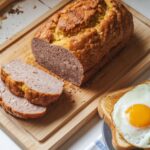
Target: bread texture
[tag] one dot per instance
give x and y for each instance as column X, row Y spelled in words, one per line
column 27, row 81
column 105, row 108
column 17, row 106
column 76, row 39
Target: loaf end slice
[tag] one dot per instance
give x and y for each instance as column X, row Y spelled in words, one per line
column 17, row 106
column 31, row 83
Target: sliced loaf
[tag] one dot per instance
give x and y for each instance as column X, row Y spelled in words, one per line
column 17, row 106
column 32, row 83
column 75, row 41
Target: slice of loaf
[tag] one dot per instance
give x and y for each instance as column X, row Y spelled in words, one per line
column 17, row 106
column 105, row 109
column 32, row 83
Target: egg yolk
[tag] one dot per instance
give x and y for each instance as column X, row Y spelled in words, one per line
column 139, row 115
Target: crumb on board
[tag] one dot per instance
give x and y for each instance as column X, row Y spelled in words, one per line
column 34, row 7
column 15, row 11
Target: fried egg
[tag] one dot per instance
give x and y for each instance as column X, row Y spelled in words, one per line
column 131, row 116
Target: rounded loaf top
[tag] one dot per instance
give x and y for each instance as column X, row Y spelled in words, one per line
column 85, row 27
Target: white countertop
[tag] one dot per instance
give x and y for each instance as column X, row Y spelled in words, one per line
column 92, row 130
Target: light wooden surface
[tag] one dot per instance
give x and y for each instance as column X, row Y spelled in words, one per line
column 65, row 117
column 27, row 142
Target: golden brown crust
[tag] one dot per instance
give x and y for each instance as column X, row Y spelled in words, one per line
column 89, row 29
column 22, row 90
column 106, row 59
column 17, row 114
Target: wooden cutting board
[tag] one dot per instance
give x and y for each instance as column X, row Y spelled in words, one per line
column 77, row 105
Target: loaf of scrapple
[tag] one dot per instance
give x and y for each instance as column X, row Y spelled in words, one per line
column 79, row 39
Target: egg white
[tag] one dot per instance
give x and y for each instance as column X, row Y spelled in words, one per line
column 139, row 137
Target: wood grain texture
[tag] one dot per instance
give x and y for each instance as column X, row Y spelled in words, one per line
column 5, row 3
column 77, row 105
column 31, row 26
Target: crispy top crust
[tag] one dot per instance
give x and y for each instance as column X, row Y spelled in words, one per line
column 86, row 27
